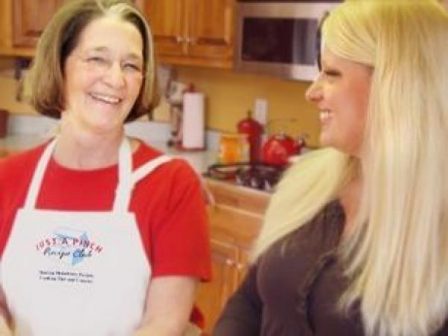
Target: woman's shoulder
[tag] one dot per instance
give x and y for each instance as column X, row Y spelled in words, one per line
column 322, row 233
column 330, row 218
column 176, row 168
column 16, row 172
column 21, row 163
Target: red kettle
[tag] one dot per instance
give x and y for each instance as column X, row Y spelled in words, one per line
column 279, row 147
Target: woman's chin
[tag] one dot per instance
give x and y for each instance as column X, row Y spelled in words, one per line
column 325, row 140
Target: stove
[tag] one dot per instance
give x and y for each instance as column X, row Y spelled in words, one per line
column 253, row 175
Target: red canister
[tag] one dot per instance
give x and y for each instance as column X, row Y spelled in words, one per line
column 254, row 130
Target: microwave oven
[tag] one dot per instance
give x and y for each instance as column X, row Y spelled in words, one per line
column 279, row 38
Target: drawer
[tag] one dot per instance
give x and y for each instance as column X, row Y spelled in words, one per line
column 242, row 198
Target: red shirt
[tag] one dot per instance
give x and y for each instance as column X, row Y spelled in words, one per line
column 168, row 205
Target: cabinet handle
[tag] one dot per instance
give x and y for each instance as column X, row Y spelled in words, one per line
column 240, row 266
column 191, row 40
column 230, row 262
column 180, row 39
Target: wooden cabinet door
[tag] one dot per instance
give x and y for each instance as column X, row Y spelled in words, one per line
column 193, row 32
column 243, row 265
column 167, row 20
column 212, row 296
column 235, row 222
column 30, row 18
column 210, row 29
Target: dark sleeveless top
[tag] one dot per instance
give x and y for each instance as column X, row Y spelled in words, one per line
column 295, row 287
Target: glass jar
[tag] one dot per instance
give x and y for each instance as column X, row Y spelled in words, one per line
column 233, row 148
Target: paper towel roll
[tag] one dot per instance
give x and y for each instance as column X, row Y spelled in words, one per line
column 193, row 122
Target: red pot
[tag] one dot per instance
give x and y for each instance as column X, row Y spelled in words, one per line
column 279, row 147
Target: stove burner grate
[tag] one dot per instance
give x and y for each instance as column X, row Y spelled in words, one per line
column 257, row 175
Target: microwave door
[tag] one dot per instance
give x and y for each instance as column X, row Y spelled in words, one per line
column 279, row 38
column 285, row 47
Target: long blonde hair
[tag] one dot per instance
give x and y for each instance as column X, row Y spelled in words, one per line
column 397, row 257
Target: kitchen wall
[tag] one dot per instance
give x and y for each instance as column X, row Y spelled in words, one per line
column 229, row 96
column 8, row 89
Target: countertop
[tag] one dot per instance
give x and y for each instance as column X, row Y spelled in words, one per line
column 199, row 160
column 26, row 131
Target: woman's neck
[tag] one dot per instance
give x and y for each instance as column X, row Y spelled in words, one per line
column 350, row 201
column 85, row 150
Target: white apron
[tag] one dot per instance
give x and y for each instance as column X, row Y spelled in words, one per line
column 77, row 272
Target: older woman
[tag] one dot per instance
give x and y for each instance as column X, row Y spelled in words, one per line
column 355, row 238
column 100, row 234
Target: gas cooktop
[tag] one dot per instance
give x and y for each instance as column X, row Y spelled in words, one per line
column 253, row 175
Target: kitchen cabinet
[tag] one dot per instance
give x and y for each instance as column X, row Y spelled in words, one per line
column 7, row 47
column 30, row 18
column 235, row 221
column 22, row 22
column 193, row 32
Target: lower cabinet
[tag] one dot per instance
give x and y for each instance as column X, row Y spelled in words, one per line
column 235, row 221
column 213, row 295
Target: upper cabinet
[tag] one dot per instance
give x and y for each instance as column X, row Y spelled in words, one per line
column 7, row 31
column 29, row 20
column 186, row 32
column 22, row 22
column 193, row 32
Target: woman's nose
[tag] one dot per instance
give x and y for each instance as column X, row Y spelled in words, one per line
column 115, row 76
column 314, row 92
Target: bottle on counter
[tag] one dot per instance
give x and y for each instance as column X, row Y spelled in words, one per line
column 254, row 131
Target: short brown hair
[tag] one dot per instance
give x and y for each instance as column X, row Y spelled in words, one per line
column 45, row 81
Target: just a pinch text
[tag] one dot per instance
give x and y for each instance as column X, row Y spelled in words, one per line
column 68, row 242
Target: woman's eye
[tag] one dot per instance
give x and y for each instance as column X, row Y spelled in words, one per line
column 96, row 60
column 331, row 73
column 132, row 67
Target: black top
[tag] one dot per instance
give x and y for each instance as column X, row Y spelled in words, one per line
column 295, row 287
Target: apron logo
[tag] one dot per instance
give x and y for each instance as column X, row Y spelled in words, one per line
column 68, row 246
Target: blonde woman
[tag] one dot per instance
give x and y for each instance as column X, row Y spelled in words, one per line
column 355, row 240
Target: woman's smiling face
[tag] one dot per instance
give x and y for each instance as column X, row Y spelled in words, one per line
column 341, row 92
column 103, row 75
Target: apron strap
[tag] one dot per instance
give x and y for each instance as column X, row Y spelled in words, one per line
column 124, row 173
column 126, row 178
column 124, row 187
column 31, row 198
column 123, row 197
